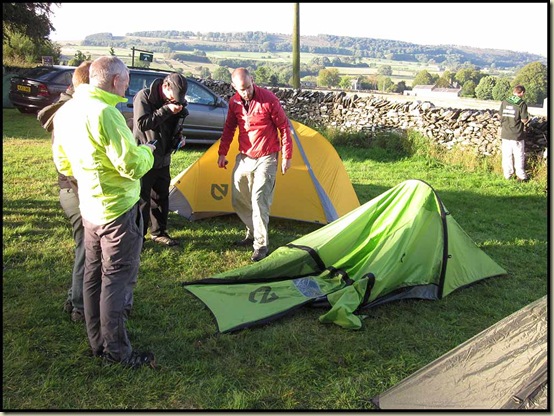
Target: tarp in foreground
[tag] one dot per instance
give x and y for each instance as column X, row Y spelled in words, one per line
column 503, row 367
column 401, row 244
column 316, row 188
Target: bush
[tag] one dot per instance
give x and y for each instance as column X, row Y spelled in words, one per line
column 25, row 53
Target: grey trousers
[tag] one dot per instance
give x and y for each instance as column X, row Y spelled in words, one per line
column 70, row 205
column 252, row 194
column 111, row 269
column 513, row 158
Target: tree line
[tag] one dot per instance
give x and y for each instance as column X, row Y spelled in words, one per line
column 356, row 47
column 473, row 82
column 477, row 84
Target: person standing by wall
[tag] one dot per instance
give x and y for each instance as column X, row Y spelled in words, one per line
column 69, row 199
column 93, row 143
column 513, row 117
column 260, row 118
column 158, row 113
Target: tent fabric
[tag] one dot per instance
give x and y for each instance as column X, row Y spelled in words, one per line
column 502, row 367
column 401, row 244
column 315, row 189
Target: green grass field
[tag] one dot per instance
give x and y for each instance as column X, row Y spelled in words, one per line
column 294, row 363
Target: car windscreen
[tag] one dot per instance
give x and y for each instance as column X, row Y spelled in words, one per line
column 63, row 78
column 41, row 72
column 198, row 95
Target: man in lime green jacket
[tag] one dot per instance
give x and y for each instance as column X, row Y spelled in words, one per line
column 93, row 143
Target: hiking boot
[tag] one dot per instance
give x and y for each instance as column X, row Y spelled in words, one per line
column 165, row 240
column 248, row 241
column 97, row 354
column 522, row 179
column 77, row 315
column 68, row 306
column 259, row 253
column 135, row 360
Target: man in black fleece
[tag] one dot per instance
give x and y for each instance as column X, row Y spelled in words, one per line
column 158, row 112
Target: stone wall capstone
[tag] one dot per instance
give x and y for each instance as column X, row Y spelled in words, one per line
column 471, row 129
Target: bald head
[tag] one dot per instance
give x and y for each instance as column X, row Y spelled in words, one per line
column 240, row 74
column 243, row 83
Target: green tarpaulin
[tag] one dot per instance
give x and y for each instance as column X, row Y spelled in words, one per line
column 401, row 244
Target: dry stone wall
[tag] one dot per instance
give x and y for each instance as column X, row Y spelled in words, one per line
column 471, row 129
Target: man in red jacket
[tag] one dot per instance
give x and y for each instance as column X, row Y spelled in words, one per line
column 263, row 131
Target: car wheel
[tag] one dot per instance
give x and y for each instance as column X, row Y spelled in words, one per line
column 27, row 110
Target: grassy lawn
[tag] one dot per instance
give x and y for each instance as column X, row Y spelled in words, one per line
column 291, row 364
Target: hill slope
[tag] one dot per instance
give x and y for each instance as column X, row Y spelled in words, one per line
column 447, row 55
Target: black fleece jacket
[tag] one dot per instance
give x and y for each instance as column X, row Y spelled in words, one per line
column 152, row 120
column 46, row 120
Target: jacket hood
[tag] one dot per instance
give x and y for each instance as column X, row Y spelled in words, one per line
column 514, row 99
column 155, row 96
column 92, row 91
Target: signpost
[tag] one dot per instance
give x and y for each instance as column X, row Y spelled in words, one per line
column 147, row 57
column 144, row 56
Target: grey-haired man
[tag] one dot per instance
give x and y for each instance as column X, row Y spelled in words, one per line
column 93, row 143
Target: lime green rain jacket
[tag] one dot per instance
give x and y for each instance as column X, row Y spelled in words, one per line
column 93, row 143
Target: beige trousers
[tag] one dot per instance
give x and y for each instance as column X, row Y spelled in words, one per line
column 252, row 194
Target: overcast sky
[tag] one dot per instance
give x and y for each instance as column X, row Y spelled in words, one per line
column 521, row 27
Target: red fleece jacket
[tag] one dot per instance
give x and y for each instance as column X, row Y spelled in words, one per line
column 259, row 127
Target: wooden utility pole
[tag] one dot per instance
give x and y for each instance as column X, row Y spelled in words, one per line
column 296, row 47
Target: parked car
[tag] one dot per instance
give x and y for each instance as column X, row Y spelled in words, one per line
column 41, row 86
column 38, row 87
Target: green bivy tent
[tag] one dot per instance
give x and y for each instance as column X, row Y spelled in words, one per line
column 503, row 367
column 401, row 244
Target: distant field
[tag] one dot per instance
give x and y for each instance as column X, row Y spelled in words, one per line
column 161, row 60
column 401, row 70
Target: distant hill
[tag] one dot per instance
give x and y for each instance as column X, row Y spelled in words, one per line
column 444, row 55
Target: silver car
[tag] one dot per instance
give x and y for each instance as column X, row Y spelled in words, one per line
column 207, row 110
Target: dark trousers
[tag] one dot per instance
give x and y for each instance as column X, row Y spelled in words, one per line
column 70, row 204
column 154, row 200
column 111, row 269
